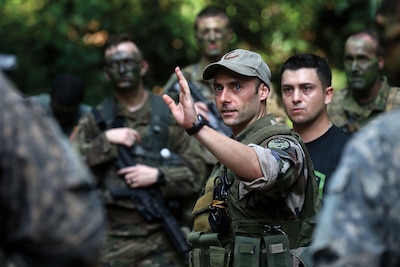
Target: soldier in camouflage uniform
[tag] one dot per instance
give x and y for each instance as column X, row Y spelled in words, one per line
column 369, row 93
column 261, row 197
column 213, row 34
column 132, row 240
column 50, row 215
column 359, row 224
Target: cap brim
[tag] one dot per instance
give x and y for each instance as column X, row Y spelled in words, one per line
column 210, row 70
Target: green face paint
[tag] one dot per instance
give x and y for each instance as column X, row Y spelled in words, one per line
column 122, row 65
column 213, row 37
column 361, row 63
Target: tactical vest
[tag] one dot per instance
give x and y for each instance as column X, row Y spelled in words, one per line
column 156, row 139
column 254, row 242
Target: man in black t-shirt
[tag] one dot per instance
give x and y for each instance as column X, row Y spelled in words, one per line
column 306, row 91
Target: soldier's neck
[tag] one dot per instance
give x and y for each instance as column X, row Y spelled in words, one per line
column 133, row 100
column 366, row 97
column 311, row 131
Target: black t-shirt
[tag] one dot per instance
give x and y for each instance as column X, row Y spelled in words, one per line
column 325, row 153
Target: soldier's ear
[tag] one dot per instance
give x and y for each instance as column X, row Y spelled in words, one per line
column 381, row 62
column 264, row 91
column 328, row 94
column 144, row 67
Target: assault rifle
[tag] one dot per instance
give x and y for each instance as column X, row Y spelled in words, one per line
column 151, row 205
column 214, row 118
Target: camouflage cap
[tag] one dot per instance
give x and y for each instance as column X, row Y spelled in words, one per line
column 243, row 62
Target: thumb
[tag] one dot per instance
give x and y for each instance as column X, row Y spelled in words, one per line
column 168, row 101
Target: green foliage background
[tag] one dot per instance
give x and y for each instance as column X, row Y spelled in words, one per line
column 56, row 36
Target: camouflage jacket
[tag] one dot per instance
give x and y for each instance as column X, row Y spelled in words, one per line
column 360, row 220
column 286, row 195
column 182, row 181
column 347, row 114
column 50, row 215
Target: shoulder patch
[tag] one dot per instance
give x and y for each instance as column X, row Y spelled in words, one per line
column 278, row 143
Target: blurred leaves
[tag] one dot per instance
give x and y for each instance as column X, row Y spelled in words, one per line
column 50, row 37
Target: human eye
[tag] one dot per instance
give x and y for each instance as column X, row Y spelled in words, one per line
column 307, row 88
column 237, row 87
column 348, row 59
column 287, row 91
column 113, row 65
column 218, row 88
column 363, row 59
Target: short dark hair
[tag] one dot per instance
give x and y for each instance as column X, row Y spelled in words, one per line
column 117, row 39
column 67, row 90
column 211, row 11
column 299, row 61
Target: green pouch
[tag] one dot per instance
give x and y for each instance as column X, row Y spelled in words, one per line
column 246, row 252
column 277, row 250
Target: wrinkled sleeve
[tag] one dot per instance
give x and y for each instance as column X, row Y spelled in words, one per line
column 280, row 168
column 92, row 143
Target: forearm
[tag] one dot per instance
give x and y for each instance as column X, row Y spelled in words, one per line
column 236, row 156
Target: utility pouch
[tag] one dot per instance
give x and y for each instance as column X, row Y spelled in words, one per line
column 271, row 249
column 277, row 250
column 207, row 251
column 246, row 252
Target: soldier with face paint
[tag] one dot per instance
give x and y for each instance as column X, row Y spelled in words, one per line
column 213, row 34
column 164, row 158
column 368, row 93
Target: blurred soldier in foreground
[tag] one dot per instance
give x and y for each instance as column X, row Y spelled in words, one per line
column 360, row 221
column 359, row 224
column 49, row 214
column 64, row 102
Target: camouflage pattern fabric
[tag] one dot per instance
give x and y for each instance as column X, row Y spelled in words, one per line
column 280, row 195
column 286, row 195
column 128, row 231
column 50, row 216
column 360, row 220
column 347, row 114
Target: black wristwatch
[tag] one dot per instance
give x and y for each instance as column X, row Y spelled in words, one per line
column 201, row 121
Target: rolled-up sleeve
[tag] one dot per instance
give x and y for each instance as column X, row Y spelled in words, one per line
column 281, row 167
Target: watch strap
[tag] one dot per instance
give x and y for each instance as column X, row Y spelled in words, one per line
column 201, row 121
